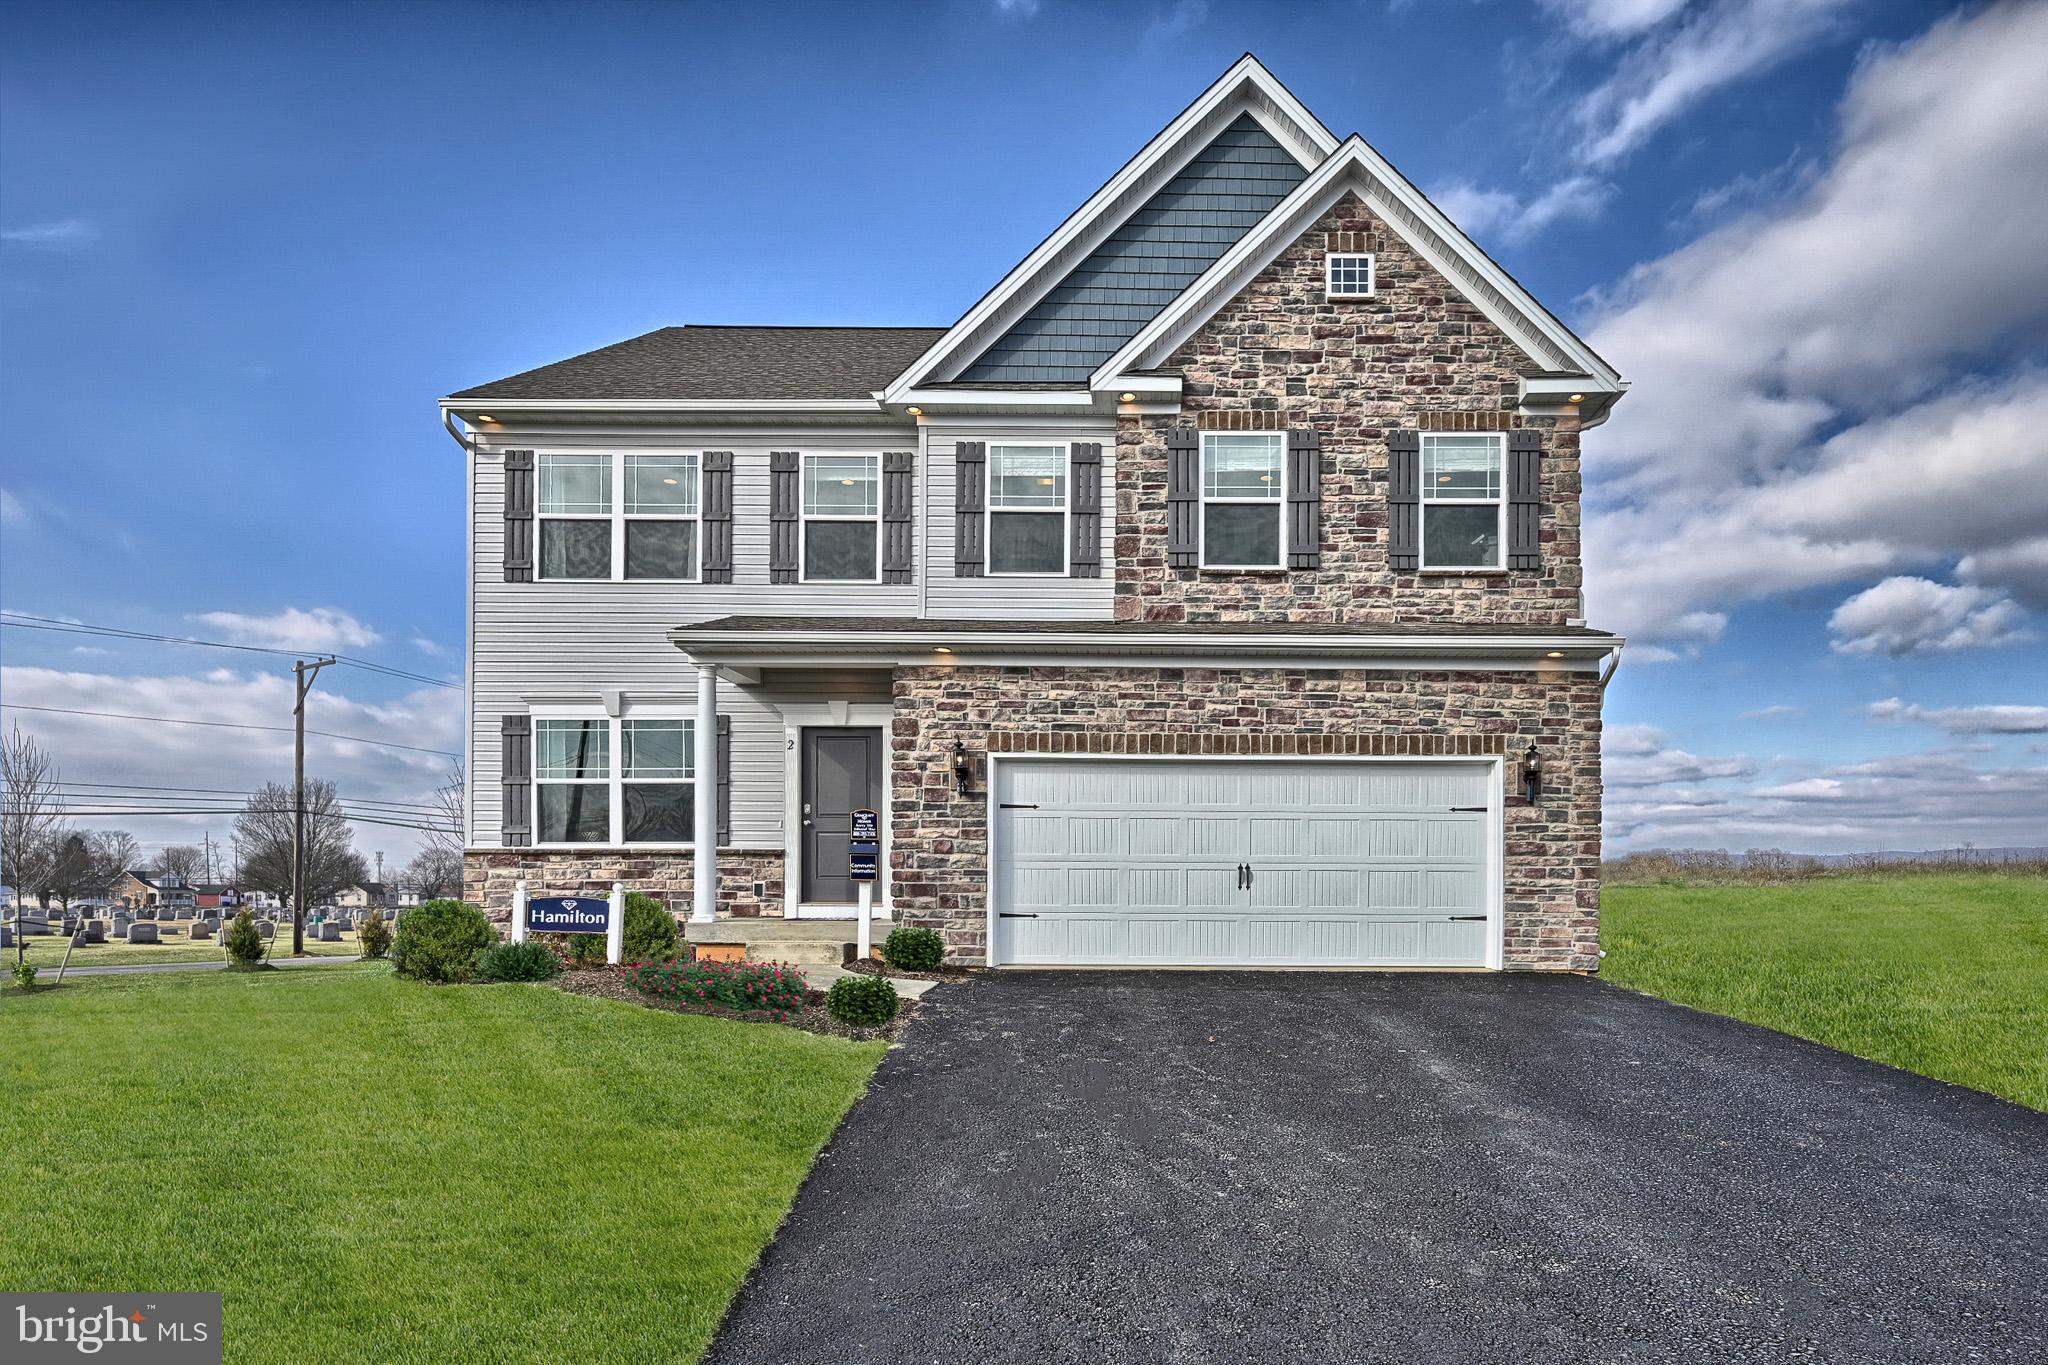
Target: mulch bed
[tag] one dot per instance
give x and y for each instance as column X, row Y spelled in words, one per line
column 607, row 983
column 873, row 968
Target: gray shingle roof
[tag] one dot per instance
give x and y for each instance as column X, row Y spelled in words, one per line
column 726, row 362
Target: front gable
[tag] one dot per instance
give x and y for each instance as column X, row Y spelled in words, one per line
column 1221, row 194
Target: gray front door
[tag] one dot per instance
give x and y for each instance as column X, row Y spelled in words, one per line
column 842, row 774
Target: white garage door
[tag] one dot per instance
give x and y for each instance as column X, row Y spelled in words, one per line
column 1258, row 863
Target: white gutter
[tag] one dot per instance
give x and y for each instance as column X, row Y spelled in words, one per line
column 960, row 644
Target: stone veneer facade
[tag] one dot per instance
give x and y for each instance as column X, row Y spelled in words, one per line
column 1416, row 355
column 939, row 848
column 749, row 879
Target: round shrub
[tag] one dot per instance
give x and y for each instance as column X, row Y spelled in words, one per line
column 650, row 936
column 243, row 942
column 911, row 949
column 374, row 935
column 518, row 962
column 440, row 940
column 862, row 1001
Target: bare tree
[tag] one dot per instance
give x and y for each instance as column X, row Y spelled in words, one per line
column 114, row 854
column 186, row 862
column 446, row 825
column 32, row 831
column 263, row 831
column 435, row 872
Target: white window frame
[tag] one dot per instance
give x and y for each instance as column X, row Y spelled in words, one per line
column 615, row 765
column 805, row 516
column 1279, row 505
column 1372, row 275
column 618, row 516
column 1499, row 503
column 989, row 510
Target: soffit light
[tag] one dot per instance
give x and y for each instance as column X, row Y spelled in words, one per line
column 485, row 417
column 1555, row 654
column 915, row 412
column 943, row 649
column 1578, row 398
column 1127, row 398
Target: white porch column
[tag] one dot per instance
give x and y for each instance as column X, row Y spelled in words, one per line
column 704, row 905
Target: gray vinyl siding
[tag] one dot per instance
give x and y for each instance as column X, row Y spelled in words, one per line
column 950, row 597
column 564, row 640
column 1123, row 284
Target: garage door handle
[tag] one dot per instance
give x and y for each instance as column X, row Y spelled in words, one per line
column 1014, row 914
column 1469, row 810
column 1455, row 918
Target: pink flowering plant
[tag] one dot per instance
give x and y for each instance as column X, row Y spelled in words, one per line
column 773, row 986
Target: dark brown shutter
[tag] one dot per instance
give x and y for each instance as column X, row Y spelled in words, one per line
column 899, row 551
column 519, row 516
column 724, row 779
column 1404, row 499
column 1183, row 498
column 515, row 775
column 783, row 502
column 1525, row 499
column 970, row 466
column 1304, row 499
column 1084, row 491
column 716, row 515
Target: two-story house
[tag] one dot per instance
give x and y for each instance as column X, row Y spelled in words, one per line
column 1209, row 593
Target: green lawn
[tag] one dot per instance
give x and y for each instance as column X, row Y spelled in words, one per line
column 46, row 951
column 1944, row 974
column 371, row 1169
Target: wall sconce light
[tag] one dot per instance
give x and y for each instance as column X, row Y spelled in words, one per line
column 963, row 770
column 1532, row 773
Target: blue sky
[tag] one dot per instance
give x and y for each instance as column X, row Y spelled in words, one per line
column 244, row 247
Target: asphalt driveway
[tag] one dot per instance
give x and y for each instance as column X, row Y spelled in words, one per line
column 1111, row 1167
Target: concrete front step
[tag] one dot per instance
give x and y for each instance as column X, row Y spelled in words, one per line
column 803, row 942
column 822, row 979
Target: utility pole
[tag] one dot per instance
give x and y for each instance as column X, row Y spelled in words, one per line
column 304, row 673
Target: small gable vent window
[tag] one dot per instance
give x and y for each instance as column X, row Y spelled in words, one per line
column 1350, row 275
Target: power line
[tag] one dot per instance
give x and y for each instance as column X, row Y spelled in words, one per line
column 226, row 725
column 239, row 810
column 22, row 620
column 117, row 790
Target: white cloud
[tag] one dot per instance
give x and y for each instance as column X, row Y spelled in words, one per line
column 427, row 647
column 1017, row 9
column 1966, row 720
column 101, row 749
column 1902, row 616
column 2021, row 568
column 293, row 628
column 1665, row 76
column 1612, row 18
column 1802, row 411
column 65, row 234
column 1637, row 756
column 1772, row 712
column 1513, row 219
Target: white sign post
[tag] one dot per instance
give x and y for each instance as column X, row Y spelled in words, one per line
column 865, row 937
column 519, row 911
column 615, row 927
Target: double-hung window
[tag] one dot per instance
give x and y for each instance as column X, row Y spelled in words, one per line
column 1027, row 509
column 842, row 518
column 1462, row 507
column 1243, row 500
column 622, row 515
column 582, row 797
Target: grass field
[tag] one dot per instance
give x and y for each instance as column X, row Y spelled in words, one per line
column 1944, row 974
column 46, row 951
column 371, row 1169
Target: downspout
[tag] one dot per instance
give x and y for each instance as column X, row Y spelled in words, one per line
column 448, row 421
column 1613, row 667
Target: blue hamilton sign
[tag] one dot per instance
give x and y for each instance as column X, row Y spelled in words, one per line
column 568, row 914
